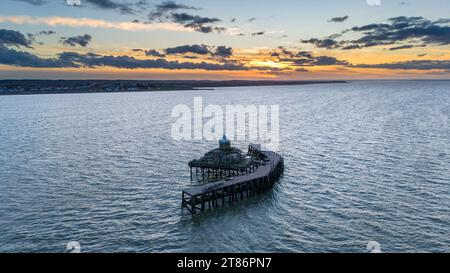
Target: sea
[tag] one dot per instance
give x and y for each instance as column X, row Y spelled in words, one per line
column 366, row 163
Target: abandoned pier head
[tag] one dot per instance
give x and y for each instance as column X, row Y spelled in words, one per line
column 227, row 175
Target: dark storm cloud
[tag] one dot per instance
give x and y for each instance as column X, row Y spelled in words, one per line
column 416, row 31
column 411, row 65
column 339, row 19
column 82, row 40
column 14, row 38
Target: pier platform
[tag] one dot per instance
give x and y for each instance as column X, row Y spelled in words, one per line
column 268, row 170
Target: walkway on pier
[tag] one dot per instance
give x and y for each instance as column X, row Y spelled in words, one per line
column 197, row 197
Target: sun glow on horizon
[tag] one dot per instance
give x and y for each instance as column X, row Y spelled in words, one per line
column 201, row 41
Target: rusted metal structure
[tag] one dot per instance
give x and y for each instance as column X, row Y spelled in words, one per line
column 233, row 176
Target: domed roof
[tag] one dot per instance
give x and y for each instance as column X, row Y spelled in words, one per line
column 224, row 143
column 224, row 140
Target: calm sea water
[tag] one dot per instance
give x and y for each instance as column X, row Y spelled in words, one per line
column 365, row 161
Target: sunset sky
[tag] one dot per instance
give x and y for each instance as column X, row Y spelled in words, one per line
column 225, row 39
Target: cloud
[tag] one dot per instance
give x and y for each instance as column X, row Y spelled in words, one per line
column 305, row 54
column 171, row 5
column 76, row 60
column 259, row 33
column 184, row 18
column 411, row 65
column 164, row 8
column 112, row 5
column 95, row 60
column 219, row 51
column 174, row 22
column 168, row 12
column 33, row 2
column 327, row 60
column 301, row 69
column 46, row 32
column 196, row 49
column 325, row 43
column 286, row 51
column 82, row 40
column 10, row 56
column 154, row 53
column 126, row 8
column 315, row 61
column 401, row 47
column 416, row 31
column 223, row 51
column 339, row 19
column 13, row 38
column 25, row 59
column 76, row 3
column 93, row 23
column 305, row 58
column 195, row 22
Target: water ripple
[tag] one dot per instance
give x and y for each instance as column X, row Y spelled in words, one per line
column 364, row 161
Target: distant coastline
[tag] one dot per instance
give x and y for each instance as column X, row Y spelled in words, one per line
column 34, row 87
